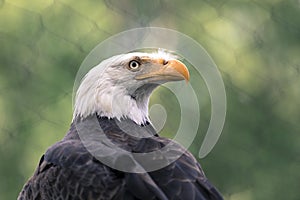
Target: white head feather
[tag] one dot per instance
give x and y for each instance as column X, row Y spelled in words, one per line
column 105, row 90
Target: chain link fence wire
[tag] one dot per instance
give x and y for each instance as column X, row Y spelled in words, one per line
column 256, row 45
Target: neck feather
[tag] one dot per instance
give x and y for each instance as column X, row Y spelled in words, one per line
column 111, row 101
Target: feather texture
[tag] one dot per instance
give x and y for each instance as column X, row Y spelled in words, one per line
column 69, row 171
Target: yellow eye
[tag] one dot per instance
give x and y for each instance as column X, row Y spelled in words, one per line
column 134, row 65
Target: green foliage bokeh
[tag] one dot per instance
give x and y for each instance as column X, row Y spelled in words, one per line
column 255, row 44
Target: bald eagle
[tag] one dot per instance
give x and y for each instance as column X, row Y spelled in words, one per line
column 116, row 93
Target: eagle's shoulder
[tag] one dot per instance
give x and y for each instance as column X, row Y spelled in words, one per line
column 184, row 177
column 68, row 171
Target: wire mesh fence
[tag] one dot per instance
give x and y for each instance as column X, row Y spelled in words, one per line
column 256, row 45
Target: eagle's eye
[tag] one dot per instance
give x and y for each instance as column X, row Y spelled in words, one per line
column 134, row 65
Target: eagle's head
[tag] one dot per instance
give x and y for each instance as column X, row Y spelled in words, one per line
column 120, row 86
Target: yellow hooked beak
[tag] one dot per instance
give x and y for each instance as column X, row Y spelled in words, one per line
column 172, row 70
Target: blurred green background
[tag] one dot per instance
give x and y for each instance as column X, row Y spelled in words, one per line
column 255, row 44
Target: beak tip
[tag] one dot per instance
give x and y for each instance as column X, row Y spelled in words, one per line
column 181, row 69
column 187, row 77
column 187, row 80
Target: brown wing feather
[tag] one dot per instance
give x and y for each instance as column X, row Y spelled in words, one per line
column 69, row 171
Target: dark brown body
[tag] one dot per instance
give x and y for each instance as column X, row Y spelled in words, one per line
column 68, row 171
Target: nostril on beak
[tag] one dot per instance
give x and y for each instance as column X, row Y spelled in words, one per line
column 165, row 62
